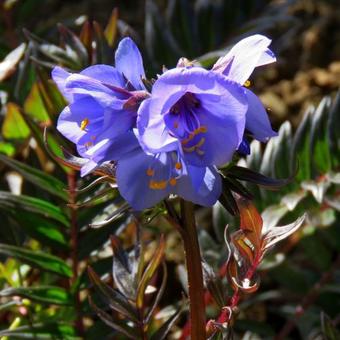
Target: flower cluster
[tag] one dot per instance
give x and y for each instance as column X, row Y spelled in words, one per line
column 172, row 140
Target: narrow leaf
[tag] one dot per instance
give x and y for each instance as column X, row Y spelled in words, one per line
column 11, row 202
column 47, row 182
column 149, row 272
column 46, row 294
column 118, row 325
column 163, row 331
column 48, row 331
column 113, row 298
column 37, row 259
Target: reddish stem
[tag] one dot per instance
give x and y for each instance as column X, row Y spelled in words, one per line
column 72, row 198
column 194, row 270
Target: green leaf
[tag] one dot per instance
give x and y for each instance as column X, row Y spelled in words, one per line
column 45, row 294
column 281, row 152
column 14, row 126
column 34, row 106
column 43, row 230
column 37, row 259
column 300, row 152
column 15, row 203
column 149, row 272
column 328, row 329
column 7, row 149
column 333, row 128
column 47, row 182
column 48, row 331
column 319, row 148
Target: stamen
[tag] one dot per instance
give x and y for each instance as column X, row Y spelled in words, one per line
column 176, row 125
column 88, row 144
column 157, row 185
column 173, row 181
column 178, row 166
column 150, row 172
column 247, row 83
column 84, row 123
column 201, row 129
column 196, row 147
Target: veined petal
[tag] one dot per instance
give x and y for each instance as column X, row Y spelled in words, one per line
column 133, row 181
column 59, row 76
column 112, row 149
column 209, row 190
column 130, row 63
column 257, row 121
column 80, row 118
column 239, row 63
column 222, row 122
column 153, row 135
column 80, row 86
column 105, row 74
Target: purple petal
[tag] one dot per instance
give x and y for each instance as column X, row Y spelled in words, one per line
column 222, row 110
column 207, row 193
column 59, row 76
column 105, row 74
column 133, row 181
column 153, row 135
column 257, row 121
column 112, row 149
column 130, row 63
column 80, row 86
column 70, row 119
column 239, row 63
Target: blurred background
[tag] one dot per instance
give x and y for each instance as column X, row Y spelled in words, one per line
column 33, row 213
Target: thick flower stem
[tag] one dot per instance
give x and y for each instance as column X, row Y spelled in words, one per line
column 194, row 270
column 71, row 179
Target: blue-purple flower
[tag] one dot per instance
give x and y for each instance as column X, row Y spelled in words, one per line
column 237, row 65
column 103, row 103
column 197, row 113
column 145, row 179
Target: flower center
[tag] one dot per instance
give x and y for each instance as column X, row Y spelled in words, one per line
column 185, row 124
column 84, row 123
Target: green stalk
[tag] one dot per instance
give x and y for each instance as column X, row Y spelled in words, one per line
column 194, row 270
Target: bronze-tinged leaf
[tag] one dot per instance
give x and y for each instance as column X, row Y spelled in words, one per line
column 250, row 222
column 243, row 245
column 111, row 28
column 86, row 35
column 277, row 234
column 113, row 298
column 232, row 273
column 149, row 272
column 247, row 286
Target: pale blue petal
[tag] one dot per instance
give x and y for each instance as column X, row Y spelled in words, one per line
column 257, row 121
column 59, row 76
column 239, row 63
column 130, row 63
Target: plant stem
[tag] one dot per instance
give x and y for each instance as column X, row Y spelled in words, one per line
column 194, row 270
column 72, row 185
